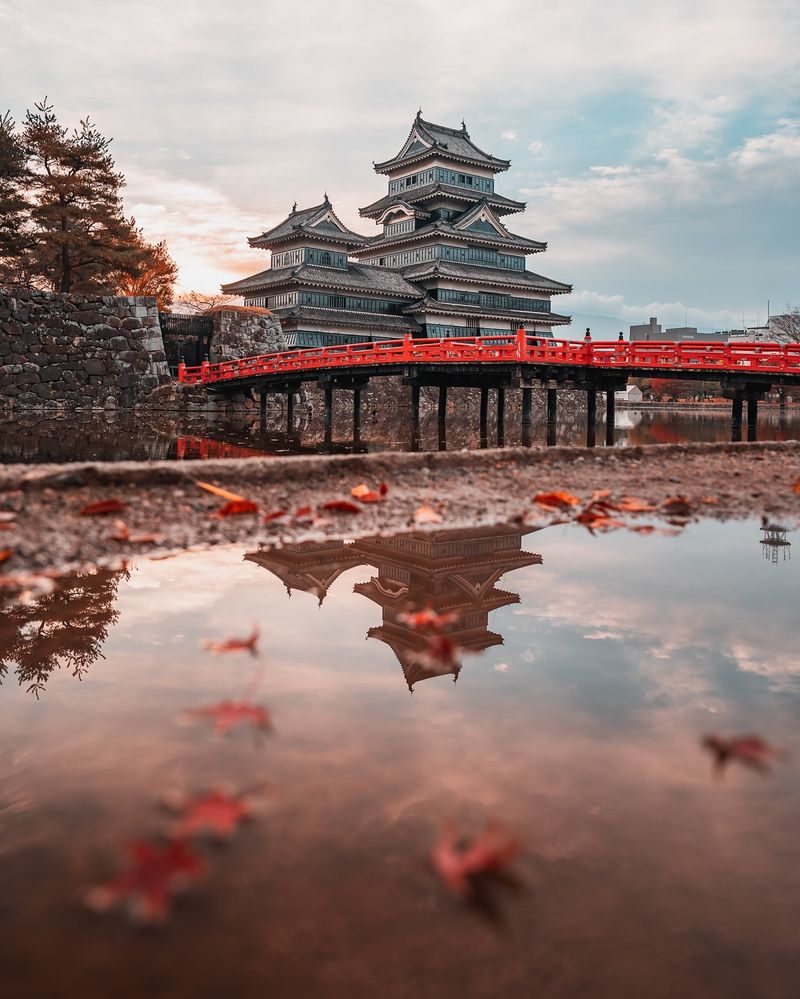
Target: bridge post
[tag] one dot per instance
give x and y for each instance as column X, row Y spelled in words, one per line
column 356, row 415
column 527, row 407
column 328, row 412
column 736, row 418
column 610, row 413
column 591, row 417
column 552, row 414
column 484, row 418
column 289, row 411
column 414, row 417
column 442, row 418
column 501, row 416
column 752, row 419
column 262, row 399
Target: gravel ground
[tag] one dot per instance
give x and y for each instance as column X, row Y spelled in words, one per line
column 43, row 529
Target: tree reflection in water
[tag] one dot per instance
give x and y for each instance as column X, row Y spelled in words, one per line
column 65, row 629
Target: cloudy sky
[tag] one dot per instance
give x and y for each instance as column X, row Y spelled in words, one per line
column 658, row 149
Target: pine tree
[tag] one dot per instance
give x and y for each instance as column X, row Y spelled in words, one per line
column 15, row 235
column 83, row 241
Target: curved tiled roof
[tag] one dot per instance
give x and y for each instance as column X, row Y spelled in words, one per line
column 337, row 317
column 475, row 274
column 446, row 142
column 357, row 277
column 500, row 204
column 440, row 228
column 431, row 306
column 302, row 223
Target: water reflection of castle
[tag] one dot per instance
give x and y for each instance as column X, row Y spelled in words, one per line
column 452, row 572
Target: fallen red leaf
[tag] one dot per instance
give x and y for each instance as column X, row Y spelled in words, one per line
column 249, row 644
column 364, row 494
column 234, row 508
column 384, row 489
column 341, row 506
column 631, row 504
column 228, row 715
column 556, row 500
column 750, row 750
column 103, row 507
column 459, row 863
column 425, row 514
column 275, row 515
column 677, row 506
column 6, row 554
column 215, row 812
column 796, row 487
column 426, row 620
column 156, row 872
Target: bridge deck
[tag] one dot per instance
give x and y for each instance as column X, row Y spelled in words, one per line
column 521, row 354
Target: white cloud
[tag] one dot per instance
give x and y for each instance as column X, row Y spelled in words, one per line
column 509, row 136
column 539, row 148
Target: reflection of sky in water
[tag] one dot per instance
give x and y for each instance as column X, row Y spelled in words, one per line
column 580, row 730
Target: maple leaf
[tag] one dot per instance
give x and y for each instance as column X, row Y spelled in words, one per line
column 275, row 515
column 6, row 554
column 103, row 507
column 749, row 750
column 227, row 715
column 156, row 872
column 364, row 494
column 440, row 655
column 426, row 619
column 234, row 508
column 215, row 812
column 796, row 487
column 556, row 500
column 249, row 644
column 341, row 506
column 631, row 504
column 425, row 514
column 460, row 863
column 677, row 506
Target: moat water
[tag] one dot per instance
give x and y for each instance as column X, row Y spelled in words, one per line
column 151, row 437
column 591, row 668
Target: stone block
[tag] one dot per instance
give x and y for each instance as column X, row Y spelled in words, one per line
column 131, row 324
column 51, row 373
column 93, row 366
column 87, row 317
column 128, row 380
column 114, row 322
column 26, row 378
column 118, row 343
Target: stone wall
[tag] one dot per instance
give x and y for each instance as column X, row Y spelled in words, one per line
column 78, row 351
column 240, row 331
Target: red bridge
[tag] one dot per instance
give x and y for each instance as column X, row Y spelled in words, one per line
column 746, row 371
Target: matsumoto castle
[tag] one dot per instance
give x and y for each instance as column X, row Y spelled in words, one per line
column 443, row 265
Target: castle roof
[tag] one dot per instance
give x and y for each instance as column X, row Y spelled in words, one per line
column 399, row 325
column 502, row 205
column 319, row 222
column 357, row 277
column 427, row 139
column 430, row 306
column 498, row 238
column 492, row 276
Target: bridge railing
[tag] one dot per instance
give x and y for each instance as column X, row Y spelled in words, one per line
column 520, row 347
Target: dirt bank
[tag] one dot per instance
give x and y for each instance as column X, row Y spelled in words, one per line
column 43, row 529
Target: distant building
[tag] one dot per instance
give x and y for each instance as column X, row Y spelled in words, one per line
column 652, row 332
column 646, row 331
column 631, row 393
column 443, row 265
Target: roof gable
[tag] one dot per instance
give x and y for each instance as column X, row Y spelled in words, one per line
column 318, row 220
column 427, row 137
column 481, row 218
